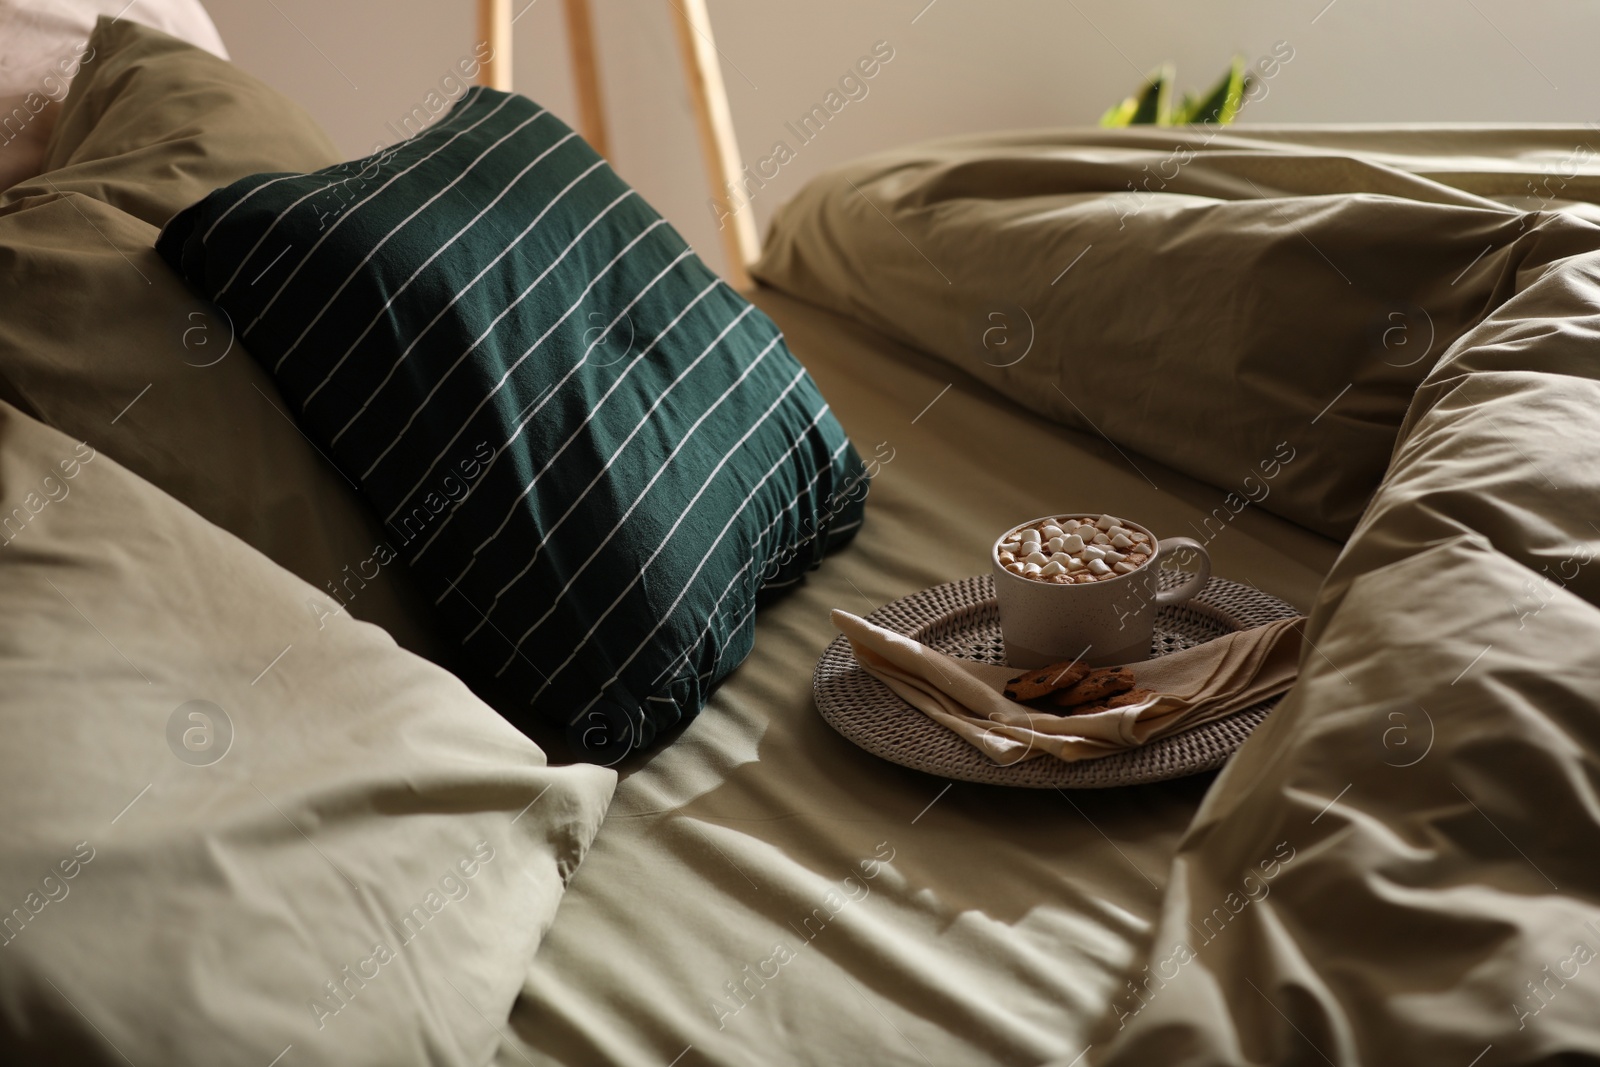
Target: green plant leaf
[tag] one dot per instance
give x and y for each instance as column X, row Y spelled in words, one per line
column 1221, row 105
column 1150, row 106
column 1120, row 114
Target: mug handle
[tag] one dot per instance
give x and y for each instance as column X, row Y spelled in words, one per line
column 1188, row 589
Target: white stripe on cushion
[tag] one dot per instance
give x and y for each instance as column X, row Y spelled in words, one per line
column 799, row 375
column 642, row 423
column 220, row 293
column 704, row 559
column 515, row 364
column 377, row 316
column 347, row 213
column 287, row 352
column 522, row 423
column 465, row 289
column 792, row 506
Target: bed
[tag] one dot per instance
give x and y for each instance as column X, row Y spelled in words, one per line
column 1395, row 868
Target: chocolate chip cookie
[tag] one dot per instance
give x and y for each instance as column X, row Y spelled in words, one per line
column 1046, row 680
column 1119, row 700
column 1095, row 686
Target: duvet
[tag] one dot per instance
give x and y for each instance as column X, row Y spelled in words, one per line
column 1398, row 865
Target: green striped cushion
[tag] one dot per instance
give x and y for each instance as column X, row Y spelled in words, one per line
column 593, row 453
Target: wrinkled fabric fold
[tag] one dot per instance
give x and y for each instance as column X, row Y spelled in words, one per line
column 1254, row 309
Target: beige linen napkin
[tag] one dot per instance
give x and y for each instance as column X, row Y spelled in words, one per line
column 1194, row 686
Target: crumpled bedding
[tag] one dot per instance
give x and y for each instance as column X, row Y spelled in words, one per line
column 1434, row 772
column 1397, row 867
column 1215, row 299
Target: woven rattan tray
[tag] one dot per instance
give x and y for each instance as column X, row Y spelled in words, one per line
column 961, row 619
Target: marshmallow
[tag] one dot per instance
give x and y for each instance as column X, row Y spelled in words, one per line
column 1068, row 550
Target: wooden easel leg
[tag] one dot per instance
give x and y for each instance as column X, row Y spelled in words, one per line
column 586, row 75
column 494, row 29
column 708, row 96
column 724, row 169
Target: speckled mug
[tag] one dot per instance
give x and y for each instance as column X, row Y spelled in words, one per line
column 1098, row 623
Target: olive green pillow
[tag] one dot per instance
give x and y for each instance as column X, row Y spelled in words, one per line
column 1252, row 311
column 227, row 828
column 155, row 123
column 98, row 339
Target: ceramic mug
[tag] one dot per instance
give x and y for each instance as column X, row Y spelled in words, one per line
column 1097, row 623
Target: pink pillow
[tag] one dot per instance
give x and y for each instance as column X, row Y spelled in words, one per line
column 43, row 43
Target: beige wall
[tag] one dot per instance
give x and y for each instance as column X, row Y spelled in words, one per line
column 961, row 66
